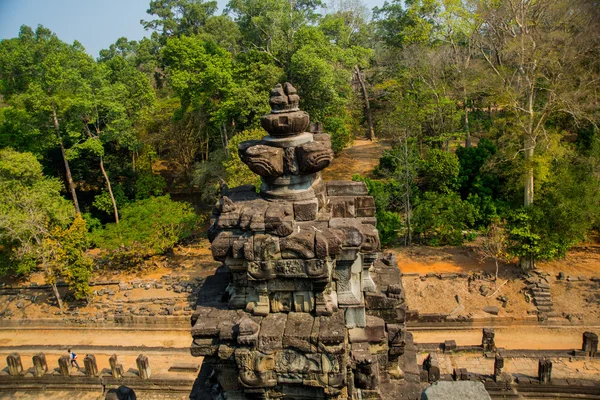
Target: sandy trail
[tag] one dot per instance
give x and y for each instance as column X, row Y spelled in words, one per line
column 95, row 337
column 512, row 338
column 361, row 159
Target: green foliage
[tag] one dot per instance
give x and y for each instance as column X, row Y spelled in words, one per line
column 388, row 224
column 238, row 173
column 147, row 227
column 436, row 72
column 65, row 257
column 31, row 207
column 179, row 17
column 103, row 202
column 92, row 223
column 563, row 216
column 19, row 130
column 441, row 219
column 440, row 171
column 479, row 185
column 207, row 176
column 472, row 179
column 341, row 137
column 523, row 242
column 404, row 24
column 148, row 184
column 199, row 72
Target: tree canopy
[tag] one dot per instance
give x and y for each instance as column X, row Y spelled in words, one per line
column 492, row 109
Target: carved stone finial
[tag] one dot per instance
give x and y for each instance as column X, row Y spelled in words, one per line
column 285, row 118
column 284, row 98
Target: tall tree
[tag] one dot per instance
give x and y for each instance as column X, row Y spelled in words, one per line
column 41, row 75
column 179, row 17
column 32, row 208
column 537, row 51
column 270, row 26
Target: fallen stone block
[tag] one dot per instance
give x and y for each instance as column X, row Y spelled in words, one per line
column 491, row 310
column 449, row 345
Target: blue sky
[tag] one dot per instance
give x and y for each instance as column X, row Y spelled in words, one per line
column 94, row 23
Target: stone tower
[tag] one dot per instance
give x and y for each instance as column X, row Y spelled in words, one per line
column 308, row 309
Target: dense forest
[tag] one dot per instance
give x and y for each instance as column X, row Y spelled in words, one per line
column 491, row 108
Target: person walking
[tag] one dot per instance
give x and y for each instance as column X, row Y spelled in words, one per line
column 73, row 359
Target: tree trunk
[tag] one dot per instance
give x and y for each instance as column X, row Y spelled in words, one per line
column 467, row 129
column 528, row 261
column 407, row 199
column 496, row 278
column 57, row 295
column 528, row 186
column 110, row 192
column 70, row 183
column 361, row 81
column 112, row 197
column 225, row 139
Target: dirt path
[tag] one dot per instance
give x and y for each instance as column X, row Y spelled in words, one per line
column 361, row 159
column 95, row 337
column 512, row 338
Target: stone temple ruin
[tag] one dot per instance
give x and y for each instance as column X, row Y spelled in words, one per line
column 308, row 309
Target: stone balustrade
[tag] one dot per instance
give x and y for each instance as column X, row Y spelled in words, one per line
column 64, row 368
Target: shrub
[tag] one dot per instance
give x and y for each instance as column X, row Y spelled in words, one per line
column 440, row 172
column 102, row 201
column 148, row 184
column 440, row 218
column 389, row 225
column 341, row 137
column 147, row 227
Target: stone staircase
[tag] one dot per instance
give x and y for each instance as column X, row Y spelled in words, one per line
column 539, row 290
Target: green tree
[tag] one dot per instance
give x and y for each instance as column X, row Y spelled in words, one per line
column 179, row 17
column 441, row 219
column 270, row 26
column 32, row 212
column 41, row 75
column 542, row 69
column 65, row 257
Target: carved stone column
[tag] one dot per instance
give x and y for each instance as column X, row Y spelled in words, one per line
column 40, row 366
column 498, row 365
column 115, row 368
column 590, row 343
column 545, row 370
column 91, row 368
column 367, row 282
column 143, row 366
column 14, row 364
column 64, row 364
column 487, row 341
